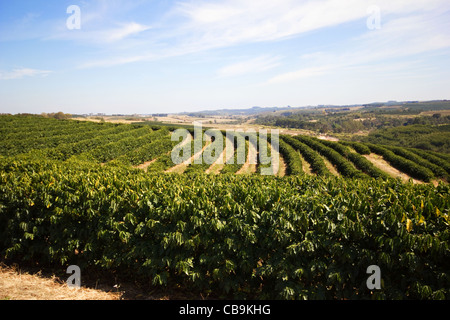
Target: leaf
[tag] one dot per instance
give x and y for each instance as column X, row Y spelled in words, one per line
column 129, row 217
column 157, row 280
column 409, row 225
column 421, row 220
column 28, row 235
column 299, row 272
column 438, row 212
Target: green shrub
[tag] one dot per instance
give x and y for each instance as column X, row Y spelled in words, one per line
column 252, row 237
column 312, row 157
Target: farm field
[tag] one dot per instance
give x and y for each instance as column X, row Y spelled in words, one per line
column 107, row 196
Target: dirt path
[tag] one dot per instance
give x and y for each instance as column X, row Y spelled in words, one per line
column 322, row 137
column 145, row 165
column 180, row 168
column 330, row 167
column 249, row 166
column 278, row 164
column 382, row 164
column 305, row 165
column 282, row 167
column 216, row 167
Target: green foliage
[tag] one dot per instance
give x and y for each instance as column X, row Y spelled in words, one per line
column 357, row 159
column 130, row 145
column 210, row 151
column 425, row 137
column 291, row 157
column 359, row 147
column 161, row 164
column 312, row 157
column 345, row 167
column 44, row 134
column 372, row 117
column 254, row 237
column 437, row 170
column 411, row 168
column 435, row 158
column 236, row 164
column 154, row 148
column 113, row 150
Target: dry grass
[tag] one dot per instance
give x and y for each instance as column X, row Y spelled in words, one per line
column 32, row 284
column 16, row 284
column 441, row 112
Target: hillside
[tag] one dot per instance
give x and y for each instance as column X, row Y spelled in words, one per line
column 424, row 125
column 76, row 192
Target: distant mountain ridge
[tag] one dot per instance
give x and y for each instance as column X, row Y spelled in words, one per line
column 431, row 104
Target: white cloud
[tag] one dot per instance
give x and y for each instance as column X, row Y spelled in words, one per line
column 196, row 26
column 409, row 35
column 231, row 22
column 101, row 36
column 253, row 65
column 23, row 73
column 300, row 74
column 125, row 31
column 239, row 21
column 202, row 25
column 115, row 61
column 399, row 38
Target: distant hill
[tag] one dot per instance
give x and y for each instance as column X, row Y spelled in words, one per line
column 230, row 112
column 413, row 106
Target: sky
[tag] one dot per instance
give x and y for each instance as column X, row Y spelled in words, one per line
column 149, row 56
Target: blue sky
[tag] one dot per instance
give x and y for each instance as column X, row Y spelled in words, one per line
column 147, row 56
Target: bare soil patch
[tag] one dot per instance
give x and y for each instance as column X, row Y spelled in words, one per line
column 330, row 167
column 328, row 138
column 145, row 165
column 277, row 164
column 249, row 166
column 382, row 164
column 281, row 167
column 305, row 165
column 180, row 168
column 216, row 167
